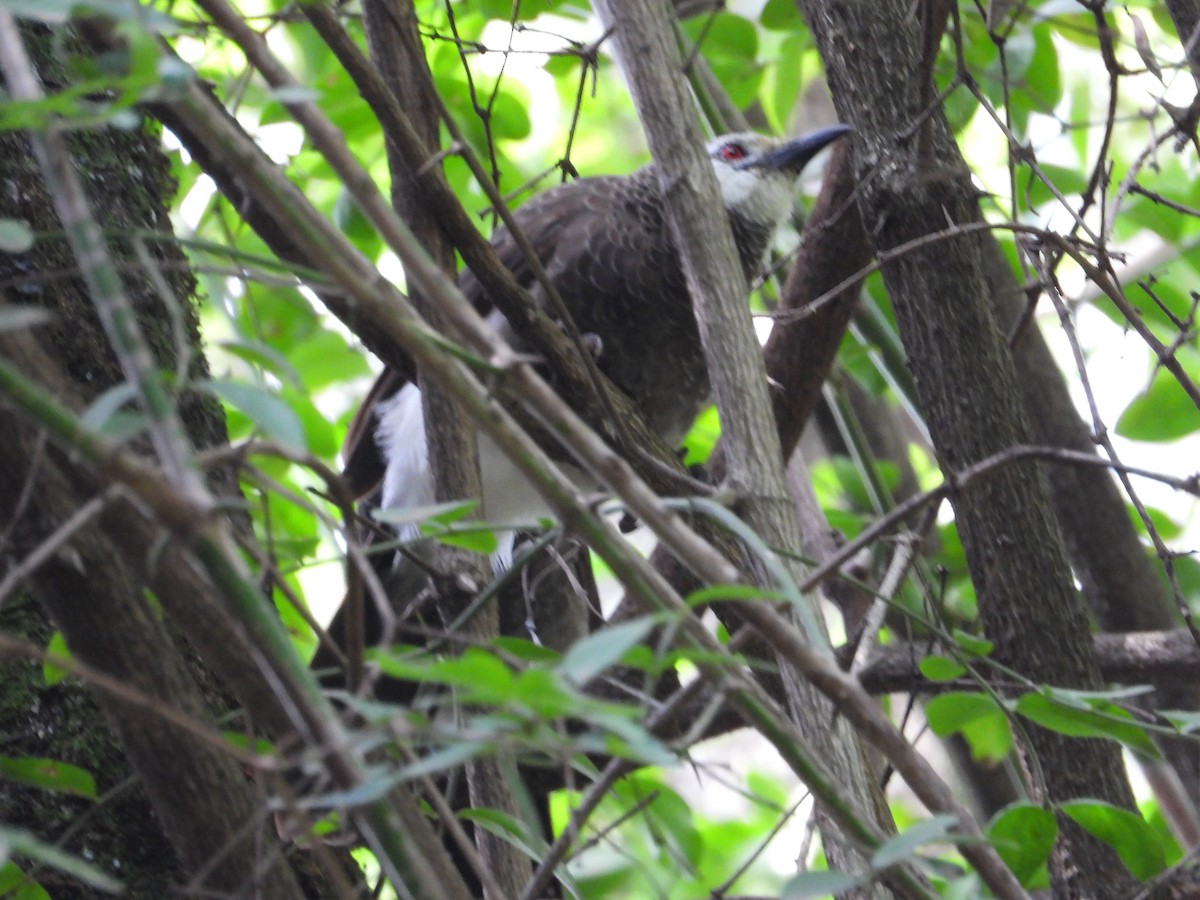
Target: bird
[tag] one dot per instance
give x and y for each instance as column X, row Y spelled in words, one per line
column 606, row 246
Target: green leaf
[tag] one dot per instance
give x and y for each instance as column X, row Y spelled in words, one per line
column 266, row 410
column 503, row 825
column 510, row 115
column 1024, row 835
column 49, row 774
column 10, row 877
column 1186, row 722
column 443, row 513
column 1081, row 698
column 324, row 359
column 484, row 677
column 969, row 643
column 941, row 668
column 629, row 740
column 545, row 694
column 353, row 224
column 1078, row 717
column 21, row 843
column 780, row 15
column 589, row 657
column 786, row 77
column 1126, row 832
column 107, row 415
column 1161, row 303
column 730, row 44
column 715, row 593
column 1163, row 413
column 264, row 356
column 374, row 786
column 904, row 845
column 16, row 885
column 526, row 650
column 1078, row 28
column 242, row 741
column 57, row 646
column 1066, row 180
column 15, row 235
column 319, row 436
column 1167, row 528
column 702, row 438
column 445, row 759
column 1039, row 88
column 858, row 489
column 981, row 721
column 724, row 34
column 478, row 537
column 810, row 885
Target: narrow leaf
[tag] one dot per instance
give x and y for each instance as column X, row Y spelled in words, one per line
column 969, row 643
column 259, row 354
column 106, row 414
column 50, row 774
column 21, row 843
column 1185, row 721
column 478, row 537
column 444, row 759
column 811, row 885
column 724, row 592
column 1076, row 718
column 270, row 414
column 442, row 512
column 595, row 653
column 902, row 846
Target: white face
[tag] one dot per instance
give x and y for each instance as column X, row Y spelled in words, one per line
column 758, row 193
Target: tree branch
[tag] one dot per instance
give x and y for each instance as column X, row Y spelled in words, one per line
column 1162, row 658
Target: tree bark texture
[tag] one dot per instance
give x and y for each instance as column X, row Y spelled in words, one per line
column 1124, row 586
column 753, row 456
column 969, row 395
column 394, row 39
column 93, row 589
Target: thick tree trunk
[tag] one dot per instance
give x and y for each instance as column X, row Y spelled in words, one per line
column 395, row 44
column 968, row 391
column 205, row 818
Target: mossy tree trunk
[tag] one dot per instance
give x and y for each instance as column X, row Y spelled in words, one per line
column 171, row 809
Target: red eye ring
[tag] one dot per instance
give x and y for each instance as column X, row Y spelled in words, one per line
column 732, row 152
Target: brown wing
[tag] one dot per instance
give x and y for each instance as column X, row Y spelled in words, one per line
column 542, row 219
column 607, row 249
column 603, row 243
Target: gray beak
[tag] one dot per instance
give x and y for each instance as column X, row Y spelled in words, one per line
column 795, row 155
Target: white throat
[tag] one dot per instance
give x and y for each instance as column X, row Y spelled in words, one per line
column 756, row 196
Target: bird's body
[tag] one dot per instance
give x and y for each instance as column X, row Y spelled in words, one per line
column 606, row 246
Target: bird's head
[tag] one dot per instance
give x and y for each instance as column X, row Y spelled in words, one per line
column 757, row 174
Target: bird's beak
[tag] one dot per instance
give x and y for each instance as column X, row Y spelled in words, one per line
column 794, row 155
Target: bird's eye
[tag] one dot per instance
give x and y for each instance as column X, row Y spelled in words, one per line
column 732, row 152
